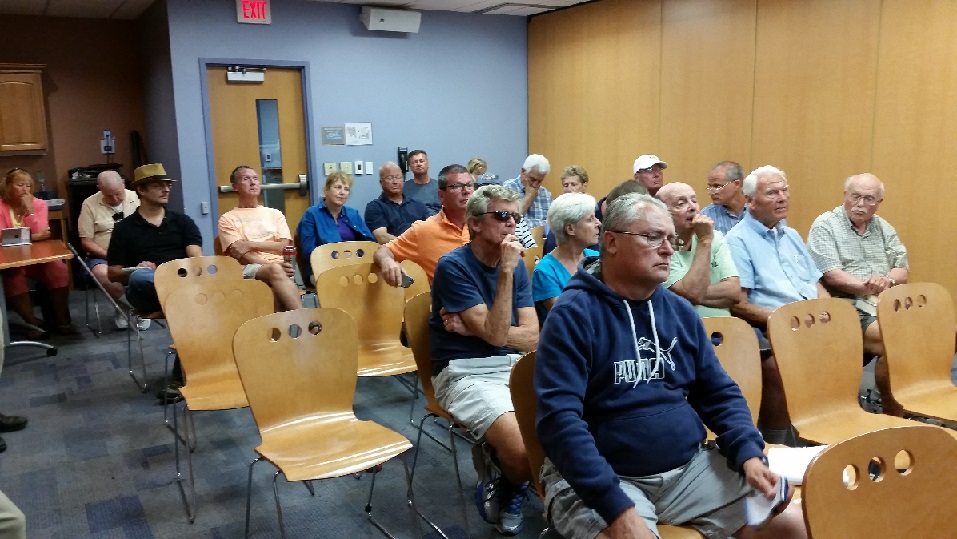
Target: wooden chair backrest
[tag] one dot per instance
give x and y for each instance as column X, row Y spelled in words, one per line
column 174, row 274
column 915, row 498
column 204, row 315
column 521, row 386
column 417, row 312
column 421, row 283
column 819, row 362
column 917, row 327
column 358, row 290
column 297, row 365
column 344, row 253
column 532, row 256
column 737, row 349
column 538, row 234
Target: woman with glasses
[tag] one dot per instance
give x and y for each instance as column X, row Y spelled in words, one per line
column 572, row 219
column 18, row 208
column 331, row 221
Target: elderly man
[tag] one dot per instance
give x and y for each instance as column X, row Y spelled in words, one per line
column 534, row 199
column 392, row 213
column 649, row 171
column 256, row 236
column 860, row 256
column 482, row 320
column 728, row 204
column 702, row 271
column 421, row 187
column 622, row 425
column 775, row 268
column 98, row 215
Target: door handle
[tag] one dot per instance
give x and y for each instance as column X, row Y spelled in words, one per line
column 302, row 185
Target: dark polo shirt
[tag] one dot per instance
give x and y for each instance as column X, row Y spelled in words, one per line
column 135, row 240
column 396, row 218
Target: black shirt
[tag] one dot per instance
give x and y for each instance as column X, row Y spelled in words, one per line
column 396, row 218
column 136, row 240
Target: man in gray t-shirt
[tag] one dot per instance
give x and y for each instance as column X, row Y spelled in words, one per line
column 421, row 187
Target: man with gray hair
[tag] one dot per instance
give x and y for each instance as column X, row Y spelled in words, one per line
column 99, row 213
column 392, row 213
column 728, row 205
column 534, row 199
column 860, row 256
column 623, row 423
column 702, row 271
column 482, row 321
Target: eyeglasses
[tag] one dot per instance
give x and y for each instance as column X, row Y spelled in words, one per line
column 503, row 215
column 118, row 216
column 868, row 200
column 460, row 186
column 717, row 188
column 654, row 240
column 394, row 177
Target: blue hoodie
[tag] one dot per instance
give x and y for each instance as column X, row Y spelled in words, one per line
column 607, row 407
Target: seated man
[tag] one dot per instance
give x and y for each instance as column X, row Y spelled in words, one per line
column 702, row 271
column 622, row 425
column 98, row 215
column 775, row 268
column 482, row 320
column 392, row 213
column 860, row 256
column 650, row 172
column 535, row 199
column 255, row 236
column 728, row 204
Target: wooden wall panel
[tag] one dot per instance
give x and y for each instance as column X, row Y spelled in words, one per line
column 593, row 82
column 915, row 137
column 707, row 76
column 814, row 97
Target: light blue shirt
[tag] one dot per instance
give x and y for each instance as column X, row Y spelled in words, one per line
column 773, row 264
column 550, row 277
column 723, row 220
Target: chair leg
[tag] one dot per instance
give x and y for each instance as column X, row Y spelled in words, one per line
column 142, row 386
column 415, row 398
column 249, row 491
column 188, row 501
column 312, row 491
column 275, row 493
column 458, row 478
column 410, row 495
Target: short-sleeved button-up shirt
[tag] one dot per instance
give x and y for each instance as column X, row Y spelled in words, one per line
column 538, row 211
column 723, row 219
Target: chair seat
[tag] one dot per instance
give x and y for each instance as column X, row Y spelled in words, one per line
column 347, row 446
column 214, row 394
column 385, row 358
column 843, row 425
column 678, row 532
column 936, row 399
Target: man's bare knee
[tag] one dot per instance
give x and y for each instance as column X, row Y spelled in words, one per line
column 270, row 273
column 506, row 438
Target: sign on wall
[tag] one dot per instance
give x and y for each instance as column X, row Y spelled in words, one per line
column 253, row 11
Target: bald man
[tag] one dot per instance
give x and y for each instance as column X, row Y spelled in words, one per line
column 702, row 270
column 98, row 214
column 860, row 256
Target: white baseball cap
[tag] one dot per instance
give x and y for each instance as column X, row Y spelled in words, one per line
column 648, row 161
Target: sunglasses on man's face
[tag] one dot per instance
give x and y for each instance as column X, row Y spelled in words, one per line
column 504, row 215
column 118, row 216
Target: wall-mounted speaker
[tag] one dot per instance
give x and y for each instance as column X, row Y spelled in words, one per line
column 390, row 20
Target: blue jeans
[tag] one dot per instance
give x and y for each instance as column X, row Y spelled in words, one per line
column 141, row 292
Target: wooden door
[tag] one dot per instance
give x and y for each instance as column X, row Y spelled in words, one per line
column 261, row 125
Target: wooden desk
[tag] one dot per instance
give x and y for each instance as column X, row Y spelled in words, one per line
column 25, row 255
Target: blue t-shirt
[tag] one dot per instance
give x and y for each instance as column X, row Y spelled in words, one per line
column 461, row 282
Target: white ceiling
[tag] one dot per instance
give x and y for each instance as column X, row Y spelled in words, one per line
column 130, row 9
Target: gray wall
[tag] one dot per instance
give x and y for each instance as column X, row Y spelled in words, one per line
column 457, row 89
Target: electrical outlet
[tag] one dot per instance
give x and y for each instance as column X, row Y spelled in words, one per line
column 328, row 168
column 346, row 166
column 358, row 168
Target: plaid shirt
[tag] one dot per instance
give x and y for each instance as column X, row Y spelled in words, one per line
column 538, row 211
column 723, row 220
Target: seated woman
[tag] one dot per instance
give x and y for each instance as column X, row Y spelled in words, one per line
column 572, row 218
column 18, row 208
column 330, row 221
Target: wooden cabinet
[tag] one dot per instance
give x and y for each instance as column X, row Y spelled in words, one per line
column 23, row 121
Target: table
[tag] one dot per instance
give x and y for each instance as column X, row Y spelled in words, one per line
column 16, row 256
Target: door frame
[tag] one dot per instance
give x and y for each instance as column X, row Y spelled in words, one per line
column 303, row 67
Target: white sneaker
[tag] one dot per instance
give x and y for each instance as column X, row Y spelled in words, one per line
column 119, row 319
column 143, row 324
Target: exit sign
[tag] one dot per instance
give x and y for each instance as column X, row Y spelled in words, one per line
column 253, row 11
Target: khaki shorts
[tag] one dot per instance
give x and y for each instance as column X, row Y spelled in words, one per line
column 250, row 270
column 704, row 494
column 475, row 391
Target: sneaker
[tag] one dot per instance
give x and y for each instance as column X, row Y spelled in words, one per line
column 487, row 499
column 143, row 324
column 120, row 320
column 510, row 519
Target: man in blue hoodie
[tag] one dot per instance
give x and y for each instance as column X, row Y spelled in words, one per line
column 625, row 376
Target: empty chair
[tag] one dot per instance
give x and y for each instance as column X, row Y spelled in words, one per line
column 343, row 253
column 855, row 489
column 299, row 372
column 737, row 349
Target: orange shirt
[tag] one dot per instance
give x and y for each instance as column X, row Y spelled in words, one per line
column 426, row 241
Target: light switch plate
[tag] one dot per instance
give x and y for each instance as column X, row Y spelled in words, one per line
column 358, row 168
column 346, row 166
column 328, row 168
column 368, row 168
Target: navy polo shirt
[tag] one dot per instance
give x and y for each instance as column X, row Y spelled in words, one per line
column 396, row 218
column 137, row 240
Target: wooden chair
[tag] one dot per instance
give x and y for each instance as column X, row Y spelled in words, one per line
column 421, row 280
column 538, row 234
column 203, row 317
column 417, row 312
column 525, row 403
column 737, row 350
column 820, row 364
column 853, row 489
column 298, row 369
column 344, row 253
column 532, row 256
column 917, row 327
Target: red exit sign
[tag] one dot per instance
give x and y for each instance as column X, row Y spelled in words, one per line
column 253, row 11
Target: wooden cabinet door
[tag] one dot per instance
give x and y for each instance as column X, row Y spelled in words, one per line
column 23, row 125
